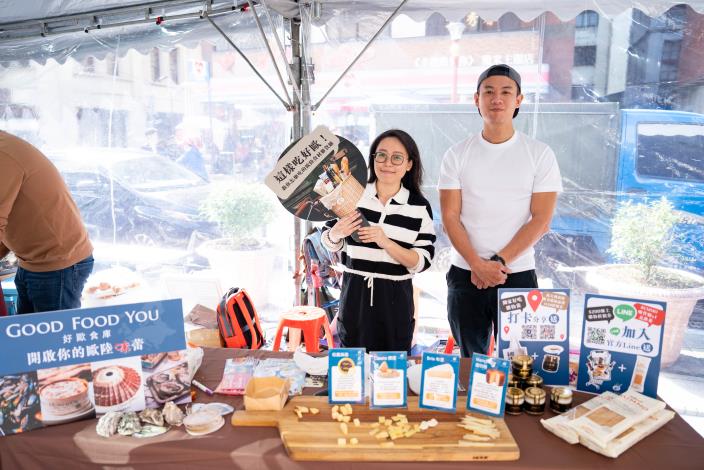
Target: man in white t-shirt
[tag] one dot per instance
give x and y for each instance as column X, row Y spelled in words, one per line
column 498, row 191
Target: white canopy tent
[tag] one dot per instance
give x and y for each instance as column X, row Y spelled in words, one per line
column 45, row 10
column 57, row 29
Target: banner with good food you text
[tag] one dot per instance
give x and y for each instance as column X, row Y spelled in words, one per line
column 68, row 365
column 66, row 337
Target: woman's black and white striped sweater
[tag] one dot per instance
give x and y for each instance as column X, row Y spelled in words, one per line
column 406, row 219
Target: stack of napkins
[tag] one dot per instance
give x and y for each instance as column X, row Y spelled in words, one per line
column 610, row 424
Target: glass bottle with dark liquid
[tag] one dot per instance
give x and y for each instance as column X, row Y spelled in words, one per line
column 551, row 362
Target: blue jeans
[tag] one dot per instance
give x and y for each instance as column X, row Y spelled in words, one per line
column 52, row 290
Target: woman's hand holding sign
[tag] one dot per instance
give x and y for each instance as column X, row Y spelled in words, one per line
column 346, row 226
column 374, row 234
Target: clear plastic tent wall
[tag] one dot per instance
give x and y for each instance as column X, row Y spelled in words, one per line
column 615, row 88
column 617, row 98
column 163, row 137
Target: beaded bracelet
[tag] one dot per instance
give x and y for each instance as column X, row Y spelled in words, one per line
column 337, row 244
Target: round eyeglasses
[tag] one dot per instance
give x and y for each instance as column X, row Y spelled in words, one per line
column 396, row 158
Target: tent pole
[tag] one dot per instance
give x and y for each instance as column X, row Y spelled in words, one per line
column 304, row 82
column 301, row 127
column 297, row 133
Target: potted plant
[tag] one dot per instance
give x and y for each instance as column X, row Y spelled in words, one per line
column 242, row 258
column 642, row 237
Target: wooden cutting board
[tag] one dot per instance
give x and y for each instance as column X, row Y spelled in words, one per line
column 315, row 437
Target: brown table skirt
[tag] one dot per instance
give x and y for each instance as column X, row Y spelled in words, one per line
column 76, row 445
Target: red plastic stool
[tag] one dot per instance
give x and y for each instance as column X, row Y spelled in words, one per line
column 310, row 320
column 450, row 345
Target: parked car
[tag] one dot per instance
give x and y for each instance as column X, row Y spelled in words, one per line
column 134, row 196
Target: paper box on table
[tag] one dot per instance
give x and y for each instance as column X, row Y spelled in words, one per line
column 204, row 337
column 266, row 393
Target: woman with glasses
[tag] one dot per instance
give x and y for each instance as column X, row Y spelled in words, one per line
column 376, row 302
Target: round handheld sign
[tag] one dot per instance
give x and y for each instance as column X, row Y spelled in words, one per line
column 319, row 177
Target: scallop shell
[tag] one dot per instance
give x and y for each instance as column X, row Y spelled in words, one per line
column 107, row 424
column 151, row 416
column 173, row 414
column 129, row 424
column 115, row 384
column 203, row 422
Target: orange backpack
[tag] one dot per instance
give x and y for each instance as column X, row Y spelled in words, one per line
column 238, row 321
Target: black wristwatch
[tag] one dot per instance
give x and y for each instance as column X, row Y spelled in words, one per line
column 498, row 258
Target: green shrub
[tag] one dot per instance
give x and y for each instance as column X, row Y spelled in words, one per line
column 241, row 211
column 642, row 234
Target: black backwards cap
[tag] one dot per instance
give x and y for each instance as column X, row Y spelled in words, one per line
column 503, row 70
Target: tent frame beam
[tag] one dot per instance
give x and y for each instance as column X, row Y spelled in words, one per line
column 286, row 104
column 117, row 17
column 271, row 53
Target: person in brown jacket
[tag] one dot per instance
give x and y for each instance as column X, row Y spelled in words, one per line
column 41, row 224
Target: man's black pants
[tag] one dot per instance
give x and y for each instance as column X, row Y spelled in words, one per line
column 473, row 312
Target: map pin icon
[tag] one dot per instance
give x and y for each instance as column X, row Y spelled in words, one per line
column 534, row 298
column 506, row 328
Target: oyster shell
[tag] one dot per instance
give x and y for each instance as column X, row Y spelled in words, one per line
column 173, row 414
column 149, row 430
column 152, row 416
column 107, row 424
column 129, row 424
column 221, row 408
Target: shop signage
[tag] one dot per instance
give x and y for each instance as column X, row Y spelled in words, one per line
column 71, row 364
column 536, row 322
column 488, row 381
column 346, row 378
column 621, row 345
column 388, row 380
column 438, row 383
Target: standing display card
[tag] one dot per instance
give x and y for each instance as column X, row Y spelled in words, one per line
column 388, row 380
column 346, row 375
column 487, row 385
column 438, row 383
column 621, row 345
column 535, row 322
column 69, row 365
